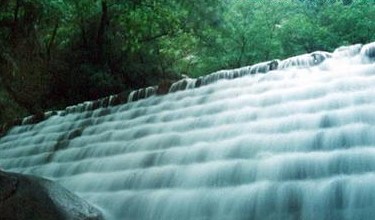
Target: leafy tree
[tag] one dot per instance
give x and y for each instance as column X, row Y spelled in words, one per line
column 350, row 24
column 301, row 35
column 55, row 53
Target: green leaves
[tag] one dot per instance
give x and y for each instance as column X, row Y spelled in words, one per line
column 351, row 24
column 76, row 46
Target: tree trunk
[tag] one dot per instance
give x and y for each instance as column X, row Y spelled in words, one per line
column 14, row 30
column 52, row 40
column 100, row 40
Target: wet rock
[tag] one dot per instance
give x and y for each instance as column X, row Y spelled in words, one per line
column 4, row 129
column 141, row 94
column 25, row 197
column 273, row 65
column 120, row 98
column 305, row 60
column 264, row 67
column 178, row 86
column 348, row 51
column 198, row 83
column 104, row 102
column 368, row 50
column 163, row 87
column 319, row 57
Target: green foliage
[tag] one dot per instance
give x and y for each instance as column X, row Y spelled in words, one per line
column 300, row 34
column 55, row 53
column 350, row 24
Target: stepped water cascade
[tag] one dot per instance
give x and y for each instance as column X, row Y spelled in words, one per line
column 295, row 143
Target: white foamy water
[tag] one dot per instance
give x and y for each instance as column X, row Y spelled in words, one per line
column 295, row 143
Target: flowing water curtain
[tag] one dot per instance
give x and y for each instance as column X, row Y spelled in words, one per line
column 295, row 143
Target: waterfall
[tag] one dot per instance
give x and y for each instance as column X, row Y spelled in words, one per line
column 295, row 143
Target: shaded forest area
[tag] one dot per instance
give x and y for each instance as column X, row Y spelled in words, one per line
column 55, row 53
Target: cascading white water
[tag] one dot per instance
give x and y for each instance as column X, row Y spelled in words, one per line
column 296, row 143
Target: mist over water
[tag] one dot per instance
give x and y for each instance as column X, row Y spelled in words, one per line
column 295, row 143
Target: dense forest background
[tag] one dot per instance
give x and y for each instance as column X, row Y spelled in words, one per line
column 55, row 53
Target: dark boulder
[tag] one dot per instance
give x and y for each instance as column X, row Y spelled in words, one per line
column 273, row 65
column 26, row 197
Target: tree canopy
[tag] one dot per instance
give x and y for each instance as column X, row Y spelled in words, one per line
column 56, row 53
